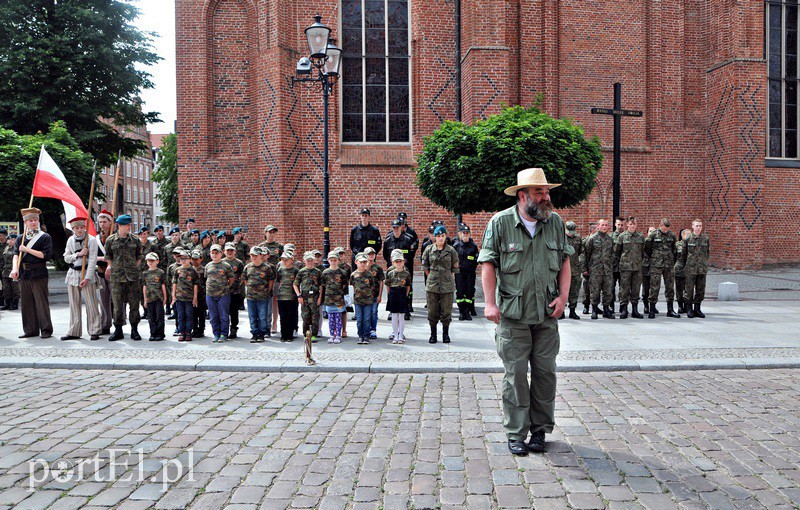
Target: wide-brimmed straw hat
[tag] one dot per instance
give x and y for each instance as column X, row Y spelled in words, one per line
column 530, row 178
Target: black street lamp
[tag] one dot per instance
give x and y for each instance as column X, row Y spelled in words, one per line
column 325, row 57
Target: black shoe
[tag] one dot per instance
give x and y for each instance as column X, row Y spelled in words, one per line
column 408, row 316
column 472, row 310
column 446, row 334
column 135, row 333
column 653, row 309
column 151, row 339
column 585, row 310
column 635, row 313
column 156, row 338
column 70, row 337
column 623, row 311
column 646, row 307
column 45, row 335
column 573, row 315
column 536, row 444
column 517, row 447
column 681, row 307
column 172, row 316
column 433, row 339
column 117, row 335
column 14, row 304
column 324, row 315
column 254, row 339
column 233, row 334
column 563, row 315
column 467, row 316
column 6, row 304
column 671, row 311
column 608, row 312
column 651, row 314
column 595, row 311
column 689, row 311
column 697, row 312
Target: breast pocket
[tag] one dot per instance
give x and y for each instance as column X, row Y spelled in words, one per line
column 553, row 256
column 511, row 258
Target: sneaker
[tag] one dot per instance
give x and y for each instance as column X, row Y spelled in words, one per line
column 337, row 340
column 216, row 340
column 360, row 340
column 366, row 341
column 223, row 338
column 391, row 337
column 254, row 339
column 268, row 334
column 373, row 335
column 331, row 340
column 176, row 333
column 313, row 339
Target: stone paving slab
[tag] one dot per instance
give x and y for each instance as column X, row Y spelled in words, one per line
column 677, row 439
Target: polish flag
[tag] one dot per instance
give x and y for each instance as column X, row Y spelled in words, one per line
column 51, row 183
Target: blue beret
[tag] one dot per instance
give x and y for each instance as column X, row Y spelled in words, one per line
column 173, row 230
column 124, row 219
column 194, row 231
column 439, row 230
column 236, row 230
column 215, row 231
column 221, row 233
column 190, row 220
column 204, row 234
column 144, row 229
column 158, row 227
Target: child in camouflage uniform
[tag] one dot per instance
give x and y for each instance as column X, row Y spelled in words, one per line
column 237, row 289
column 174, row 252
column 287, row 297
column 334, row 285
column 219, row 279
column 155, row 294
column 258, row 277
column 377, row 289
column 185, row 294
column 199, row 311
column 363, row 296
column 307, row 287
column 398, row 280
column 348, row 270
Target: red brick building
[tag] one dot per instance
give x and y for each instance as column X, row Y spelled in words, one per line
column 716, row 81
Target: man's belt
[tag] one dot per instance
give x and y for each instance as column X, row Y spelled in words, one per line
column 34, row 265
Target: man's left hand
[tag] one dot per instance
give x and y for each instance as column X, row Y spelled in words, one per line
column 84, row 283
column 558, row 305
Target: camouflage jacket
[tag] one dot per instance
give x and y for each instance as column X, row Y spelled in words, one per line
column 377, row 277
column 598, row 253
column 677, row 269
column 185, row 280
column 575, row 260
column 614, row 236
column 284, row 283
column 201, row 283
column 697, row 250
column 275, row 250
column 395, row 278
column 242, row 250
column 335, row 283
column 661, row 247
column 150, row 247
column 219, row 276
column 258, row 279
column 363, row 293
column 166, row 256
column 309, row 281
column 237, row 266
column 171, row 275
column 8, row 259
column 152, row 280
column 124, row 254
column 628, row 251
column 442, row 264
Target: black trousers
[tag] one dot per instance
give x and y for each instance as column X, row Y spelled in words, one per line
column 155, row 316
column 465, row 288
column 288, row 314
column 200, row 314
column 237, row 300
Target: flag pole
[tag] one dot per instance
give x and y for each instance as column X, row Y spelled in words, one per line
column 116, row 183
column 89, row 218
column 25, row 231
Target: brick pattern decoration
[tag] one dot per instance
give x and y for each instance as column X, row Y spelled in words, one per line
column 250, row 149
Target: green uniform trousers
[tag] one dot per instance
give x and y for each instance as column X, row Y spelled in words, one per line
column 655, row 283
column 587, row 293
column 574, row 290
column 629, row 284
column 309, row 312
column 601, row 280
column 528, row 406
column 440, row 307
column 695, row 289
column 123, row 293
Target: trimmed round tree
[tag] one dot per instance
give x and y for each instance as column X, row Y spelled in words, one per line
column 465, row 168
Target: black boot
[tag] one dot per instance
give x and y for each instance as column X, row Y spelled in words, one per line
column 595, row 311
column 635, row 311
column 585, row 310
column 681, row 306
column 697, row 312
column 134, row 333
column 623, row 311
column 608, row 312
column 446, row 333
column 117, row 335
column 472, row 311
column 652, row 312
column 6, row 304
column 468, row 311
column 433, row 339
column 646, row 306
column 572, row 314
column 460, row 311
column 233, row 333
column 689, row 311
column 671, row 311
column 620, row 307
column 653, row 308
column 14, row 304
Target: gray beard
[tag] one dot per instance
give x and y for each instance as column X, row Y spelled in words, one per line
column 538, row 213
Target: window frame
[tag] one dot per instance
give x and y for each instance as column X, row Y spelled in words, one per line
column 783, row 79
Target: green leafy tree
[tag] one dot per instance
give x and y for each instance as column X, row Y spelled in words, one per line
column 166, row 175
column 465, row 168
column 78, row 61
column 19, row 155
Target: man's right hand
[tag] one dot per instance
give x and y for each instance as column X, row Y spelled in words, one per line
column 492, row 312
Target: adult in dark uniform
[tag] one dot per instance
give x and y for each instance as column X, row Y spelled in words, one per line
column 410, row 263
column 465, row 279
column 399, row 240
column 364, row 234
column 124, row 253
column 31, row 253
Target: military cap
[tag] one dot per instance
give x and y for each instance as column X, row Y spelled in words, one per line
column 215, row 231
column 158, row 227
column 256, row 250
column 30, row 213
column 362, row 257
column 270, row 228
column 339, row 249
column 173, row 230
column 230, row 246
column 365, row 211
column 204, row 234
column 397, row 255
column 308, row 256
column 463, row 227
column 197, row 254
column 143, row 229
column 124, row 219
column 439, row 230
column 397, row 223
column 221, row 233
column 181, row 252
column 437, row 222
column 215, row 247
column 333, row 254
column 190, row 220
column 195, row 231
column 177, row 249
column 287, row 255
column 402, row 215
column 3, row 232
column 369, row 250
column 152, row 256
column 236, row 230
column 316, row 252
column 571, row 225
column 13, row 236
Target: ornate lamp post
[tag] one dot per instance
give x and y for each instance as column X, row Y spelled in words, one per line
column 325, row 57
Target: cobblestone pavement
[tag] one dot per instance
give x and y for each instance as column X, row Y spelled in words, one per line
column 660, row 440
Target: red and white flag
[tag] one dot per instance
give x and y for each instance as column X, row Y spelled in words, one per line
column 51, row 183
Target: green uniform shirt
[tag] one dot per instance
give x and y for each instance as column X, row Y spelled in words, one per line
column 697, row 250
column 237, row 266
column 124, row 254
column 661, row 246
column 678, row 267
column 242, row 250
column 8, row 259
column 598, row 254
column 218, row 274
column 377, row 277
column 395, row 278
column 575, row 260
column 442, row 264
column 152, row 280
column 309, row 282
column 149, row 247
column 527, row 267
column 166, row 256
column 201, row 283
column 362, row 288
column 629, row 250
column 335, row 283
column 284, row 282
column 257, row 279
column 274, row 251
column 185, row 279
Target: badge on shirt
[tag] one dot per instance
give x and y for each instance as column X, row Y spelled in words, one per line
column 371, row 242
column 470, row 257
column 514, row 247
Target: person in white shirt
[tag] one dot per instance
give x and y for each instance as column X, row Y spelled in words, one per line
column 80, row 281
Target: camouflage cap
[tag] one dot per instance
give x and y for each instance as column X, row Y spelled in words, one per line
column 197, row 254
column 316, row 253
column 287, row 255
column 362, row 257
column 270, row 228
column 369, row 250
column 571, row 225
column 256, row 250
column 289, row 246
column 308, row 256
column 177, row 250
column 397, row 255
column 215, row 247
column 230, row 246
column 339, row 249
column 333, row 255
column 152, row 256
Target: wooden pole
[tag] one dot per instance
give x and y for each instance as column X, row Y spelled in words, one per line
column 89, row 218
column 116, row 183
